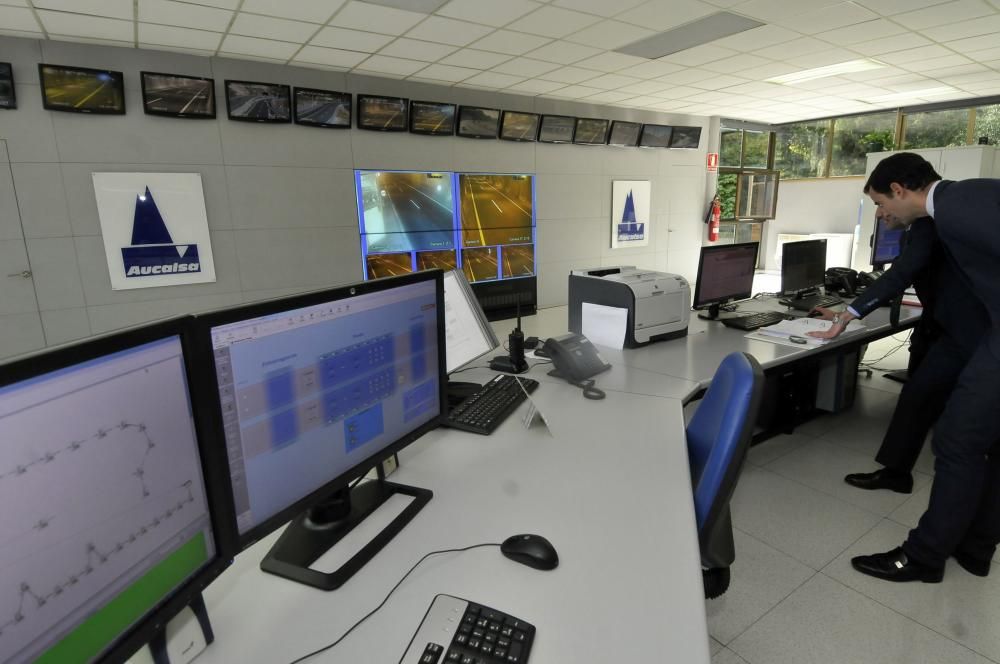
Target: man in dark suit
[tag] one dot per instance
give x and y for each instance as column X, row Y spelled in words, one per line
column 952, row 315
column 963, row 516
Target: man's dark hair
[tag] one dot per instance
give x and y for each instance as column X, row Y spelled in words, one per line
column 910, row 170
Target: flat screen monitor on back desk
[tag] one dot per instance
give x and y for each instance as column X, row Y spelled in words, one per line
column 803, row 267
column 311, row 392
column 725, row 273
column 886, row 244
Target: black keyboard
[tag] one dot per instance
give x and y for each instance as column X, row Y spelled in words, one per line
column 456, row 631
column 810, row 301
column 755, row 320
column 485, row 410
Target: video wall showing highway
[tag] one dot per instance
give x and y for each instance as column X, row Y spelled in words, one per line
column 82, row 90
column 322, row 108
column 413, row 221
column 258, row 102
column 184, row 96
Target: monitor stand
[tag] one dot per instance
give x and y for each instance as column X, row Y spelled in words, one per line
column 714, row 312
column 312, row 534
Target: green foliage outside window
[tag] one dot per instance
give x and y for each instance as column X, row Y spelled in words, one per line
column 755, row 145
column 936, row 129
column 854, row 137
column 730, row 148
column 800, row 149
column 727, row 194
column 988, row 124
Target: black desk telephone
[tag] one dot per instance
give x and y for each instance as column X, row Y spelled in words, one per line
column 574, row 357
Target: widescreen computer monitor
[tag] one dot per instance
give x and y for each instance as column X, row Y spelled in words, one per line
column 725, row 273
column 313, row 391
column 110, row 524
column 803, row 266
column 886, row 245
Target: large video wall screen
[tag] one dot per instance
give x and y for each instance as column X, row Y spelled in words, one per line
column 483, row 223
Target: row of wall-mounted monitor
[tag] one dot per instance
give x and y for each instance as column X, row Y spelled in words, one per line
column 84, row 90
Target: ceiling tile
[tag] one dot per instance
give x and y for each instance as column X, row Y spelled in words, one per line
column 720, row 81
column 822, row 58
column 774, row 69
column 386, row 65
column 76, row 25
column 265, row 48
column 577, row 91
column 221, row 4
column 957, row 70
column 22, row 34
column 861, row 32
column 758, row 89
column 679, row 92
column 980, row 26
column 489, row 12
column 416, row 50
column 699, row 55
column 266, row 27
column 710, row 96
column 351, row 40
column 972, row 44
column 469, row 57
column 949, row 12
column 122, row 9
column 14, row 3
column 685, row 76
column 512, row 43
column 610, row 35
column 535, row 86
column 912, row 54
column 771, row 11
column 736, row 63
column 986, row 54
column 833, row 16
column 525, row 67
column 570, row 75
column 489, row 79
column 762, row 37
column 386, row 20
column 874, row 74
column 659, row 16
column 448, row 31
column 651, row 69
column 892, row 7
column 924, row 66
column 644, row 101
column 609, row 97
column 439, row 72
column 890, row 44
column 184, row 15
column 563, row 52
column 165, row 35
column 599, row 7
column 645, row 87
column 802, row 46
column 330, row 57
column 18, row 18
column 76, row 39
column 178, row 49
column 313, row 11
column 611, row 81
column 609, row 61
column 553, row 22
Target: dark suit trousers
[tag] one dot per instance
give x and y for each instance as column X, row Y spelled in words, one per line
column 964, row 509
column 920, row 403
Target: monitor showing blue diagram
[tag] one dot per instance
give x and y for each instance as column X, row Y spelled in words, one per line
column 887, row 244
column 309, row 393
column 106, row 509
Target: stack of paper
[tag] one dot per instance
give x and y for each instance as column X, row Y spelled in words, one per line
column 782, row 331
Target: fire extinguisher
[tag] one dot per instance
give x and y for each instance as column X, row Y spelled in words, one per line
column 714, row 215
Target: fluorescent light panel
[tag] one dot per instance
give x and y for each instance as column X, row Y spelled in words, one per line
column 849, row 67
column 695, row 33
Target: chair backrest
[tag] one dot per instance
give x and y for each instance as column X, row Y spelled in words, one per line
column 718, row 436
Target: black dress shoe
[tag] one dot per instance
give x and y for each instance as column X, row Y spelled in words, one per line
column 895, row 566
column 882, row 479
column 972, row 564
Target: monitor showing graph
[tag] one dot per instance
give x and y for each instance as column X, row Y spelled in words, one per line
column 106, row 509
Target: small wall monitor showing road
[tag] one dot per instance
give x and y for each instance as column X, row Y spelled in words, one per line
column 322, row 108
column 495, row 209
column 258, row 102
column 382, row 113
column 388, row 265
column 432, row 118
column 82, row 90
column 178, row 96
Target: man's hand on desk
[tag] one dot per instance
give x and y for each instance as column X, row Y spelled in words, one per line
column 840, row 320
column 823, row 312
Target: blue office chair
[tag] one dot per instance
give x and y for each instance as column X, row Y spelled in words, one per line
column 718, row 438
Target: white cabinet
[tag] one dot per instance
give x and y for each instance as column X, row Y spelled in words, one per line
column 960, row 163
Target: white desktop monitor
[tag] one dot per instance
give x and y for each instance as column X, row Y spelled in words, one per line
column 468, row 334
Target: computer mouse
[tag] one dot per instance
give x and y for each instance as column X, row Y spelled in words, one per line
column 531, row 550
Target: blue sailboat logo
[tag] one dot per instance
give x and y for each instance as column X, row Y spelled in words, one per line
column 153, row 251
column 629, row 228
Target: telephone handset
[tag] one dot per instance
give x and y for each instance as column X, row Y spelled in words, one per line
column 574, row 357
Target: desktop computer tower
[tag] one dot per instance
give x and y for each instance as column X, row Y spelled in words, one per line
column 837, row 381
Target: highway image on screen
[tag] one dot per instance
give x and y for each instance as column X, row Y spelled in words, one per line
column 258, row 101
column 406, row 211
column 495, row 209
column 445, row 260
column 82, row 90
column 101, row 479
column 178, row 94
column 656, row 136
column 518, row 260
column 625, row 133
column 480, row 264
column 326, row 108
column 382, row 112
column 478, row 121
column 519, row 126
column 432, row 118
column 591, row 131
column 556, row 128
column 388, row 265
column 685, row 137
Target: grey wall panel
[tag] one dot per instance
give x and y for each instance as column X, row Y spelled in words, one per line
column 571, row 239
column 56, row 276
column 246, row 70
column 259, row 144
column 262, row 197
column 375, row 150
column 553, row 276
column 306, row 257
column 108, row 317
column 21, row 333
column 129, row 61
column 494, row 156
column 568, row 196
column 63, row 325
column 563, row 158
column 28, row 128
column 17, row 295
column 271, row 293
column 630, row 163
column 24, row 56
column 42, row 200
column 10, row 215
column 97, row 281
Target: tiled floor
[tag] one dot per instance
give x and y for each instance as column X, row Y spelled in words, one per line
column 794, row 597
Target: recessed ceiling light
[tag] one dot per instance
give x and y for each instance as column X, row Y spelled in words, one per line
column 689, row 35
column 848, row 67
column 419, row 6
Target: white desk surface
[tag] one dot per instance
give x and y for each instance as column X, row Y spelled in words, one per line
column 615, row 501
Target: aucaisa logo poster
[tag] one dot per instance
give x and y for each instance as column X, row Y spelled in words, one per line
column 155, row 229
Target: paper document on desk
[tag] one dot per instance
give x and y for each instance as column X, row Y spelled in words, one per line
column 604, row 326
column 534, row 413
column 782, row 332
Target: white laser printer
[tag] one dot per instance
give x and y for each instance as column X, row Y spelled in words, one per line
column 658, row 303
